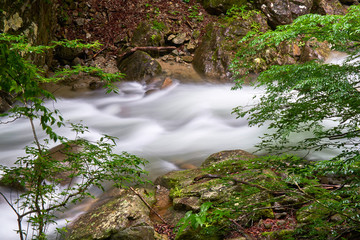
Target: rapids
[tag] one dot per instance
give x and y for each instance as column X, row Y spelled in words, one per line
column 180, row 125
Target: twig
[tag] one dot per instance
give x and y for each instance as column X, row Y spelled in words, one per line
column 148, row 205
column 97, row 53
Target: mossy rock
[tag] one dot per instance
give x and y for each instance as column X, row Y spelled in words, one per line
column 123, row 217
column 198, row 235
column 178, row 178
column 286, row 234
column 310, row 212
column 151, row 33
column 227, row 155
column 214, row 55
column 218, row 7
column 139, row 66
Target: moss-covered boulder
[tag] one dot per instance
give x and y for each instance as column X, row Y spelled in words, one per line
column 124, row 217
column 213, row 57
column 226, row 156
column 218, row 7
column 139, row 66
column 150, row 33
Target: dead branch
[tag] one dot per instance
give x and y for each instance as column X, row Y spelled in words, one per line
column 148, row 205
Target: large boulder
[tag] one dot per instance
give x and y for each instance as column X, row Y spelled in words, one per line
column 124, row 217
column 139, row 66
column 149, row 34
column 213, row 57
column 189, row 189
column 328, row 7
column 281, row 12
column 218, row 7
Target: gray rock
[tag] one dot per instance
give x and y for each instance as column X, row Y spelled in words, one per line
column 280, row 12
column 125, row 217
column 227, row 155
column 179, row 39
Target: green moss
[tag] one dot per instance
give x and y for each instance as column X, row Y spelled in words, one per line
column 286, row 234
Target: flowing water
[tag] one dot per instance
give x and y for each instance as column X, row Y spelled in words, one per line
column 182, row 124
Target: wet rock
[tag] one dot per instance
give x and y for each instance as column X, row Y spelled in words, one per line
column 314, row 50
column 125, row 217
column 328, row 7
column 81, row 82
column 281, row 12
column 139, row 66
column 167, row 83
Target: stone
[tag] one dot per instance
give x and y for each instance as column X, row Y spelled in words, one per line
column 123, row 217
column 109, row 65
column 214, row 55
column 80, row 21
column 179, row 39
column 280, row 12
column 187, row 203
column 218, row 7
column 146, row 35
column 227, row 155
column 139, row 66
column 188, row 59
column 167, row 83
column 191, row 46
column 314, row 50
column 328, row 7
column 66, row 53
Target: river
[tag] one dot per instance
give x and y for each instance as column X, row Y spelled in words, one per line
column 180, row 125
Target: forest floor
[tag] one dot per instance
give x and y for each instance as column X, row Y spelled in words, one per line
column 112, row 22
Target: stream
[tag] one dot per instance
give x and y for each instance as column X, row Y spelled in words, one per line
column 171, row 128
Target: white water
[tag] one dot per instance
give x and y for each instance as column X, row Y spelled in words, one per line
column 182, row 124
